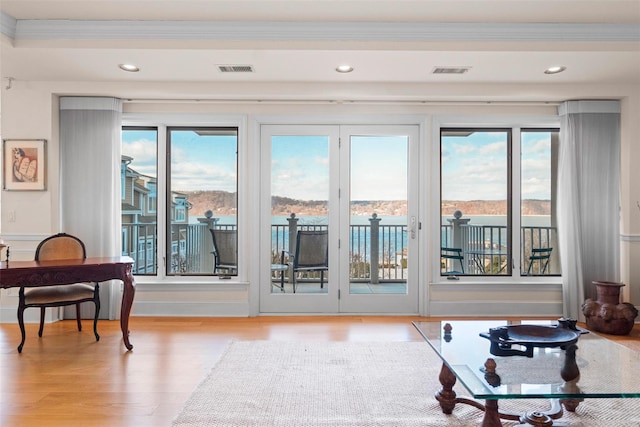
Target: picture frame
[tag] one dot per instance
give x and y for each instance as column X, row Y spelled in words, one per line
column 24, row 164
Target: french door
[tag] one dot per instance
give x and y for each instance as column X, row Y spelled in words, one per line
column 354, row 190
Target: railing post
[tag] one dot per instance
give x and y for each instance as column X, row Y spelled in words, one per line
column 293, row 232
column 207, row 241
column 375, row 248
column 456, row 229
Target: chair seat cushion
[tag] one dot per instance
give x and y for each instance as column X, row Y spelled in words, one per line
column 49, row 294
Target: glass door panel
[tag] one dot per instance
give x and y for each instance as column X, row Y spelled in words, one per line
column 381, row 229
column 300, row 212
column 300, row 265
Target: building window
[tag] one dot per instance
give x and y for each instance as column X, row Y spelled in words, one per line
column 198, row 185
column 483, row 233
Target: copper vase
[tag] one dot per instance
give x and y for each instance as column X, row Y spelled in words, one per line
column 607, row 314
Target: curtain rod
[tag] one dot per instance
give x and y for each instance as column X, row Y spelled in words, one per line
column 334, row 102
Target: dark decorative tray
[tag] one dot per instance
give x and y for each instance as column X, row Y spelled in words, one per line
column 530, row 336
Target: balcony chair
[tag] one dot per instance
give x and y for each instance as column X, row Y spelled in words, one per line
column 60, row 246
column 541, row 256
column 311, row 254
column 225, row 250
column 450, row 256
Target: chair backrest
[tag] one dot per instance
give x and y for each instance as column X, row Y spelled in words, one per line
column 312, row 249
column 452, row 254
column 60, row 246
column 542, row 256
column 225, row 246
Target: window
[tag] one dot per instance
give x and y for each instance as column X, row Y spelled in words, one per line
column 201, row 194
column 482, row 232
column 539, row 240
column 198, row 185
column 139, row 174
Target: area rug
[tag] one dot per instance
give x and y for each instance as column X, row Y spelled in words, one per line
column 379, row 384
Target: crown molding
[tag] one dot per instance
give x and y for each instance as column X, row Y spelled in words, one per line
column 8, row 25
column 315, row 31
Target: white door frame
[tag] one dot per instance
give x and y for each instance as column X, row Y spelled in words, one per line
column 272, row 302
column 381, row 303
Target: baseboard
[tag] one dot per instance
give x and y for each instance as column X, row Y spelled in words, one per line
column 9, row 315
column 190, row 309
column 492, row 309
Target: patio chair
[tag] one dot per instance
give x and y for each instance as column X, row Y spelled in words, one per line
column 225, row 250
column 311, row 254
column 60, row 246
column 540, row 256
column 449, row 257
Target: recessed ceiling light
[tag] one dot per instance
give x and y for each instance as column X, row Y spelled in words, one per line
column 555, row 70
column 129, row 67
column 344, row 68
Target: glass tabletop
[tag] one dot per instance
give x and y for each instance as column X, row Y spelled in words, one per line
column 606, row 369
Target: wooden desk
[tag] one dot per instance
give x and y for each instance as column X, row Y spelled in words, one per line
column 14, row 274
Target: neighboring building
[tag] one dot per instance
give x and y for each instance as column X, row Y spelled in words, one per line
column 139, row 218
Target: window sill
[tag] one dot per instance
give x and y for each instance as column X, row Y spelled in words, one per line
column 195, row 283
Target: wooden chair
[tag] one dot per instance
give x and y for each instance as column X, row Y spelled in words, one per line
column 59, row 247
column 225, row 250
column 540, row 256
column 449, row 257
column 311, row 254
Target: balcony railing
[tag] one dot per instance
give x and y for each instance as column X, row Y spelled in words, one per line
column 486, row 248
column 377, row 251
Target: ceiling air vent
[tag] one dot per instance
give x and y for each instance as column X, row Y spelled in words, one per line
column 450, row 70
column 235, row 68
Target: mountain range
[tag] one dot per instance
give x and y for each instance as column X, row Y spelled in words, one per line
column 224, row 203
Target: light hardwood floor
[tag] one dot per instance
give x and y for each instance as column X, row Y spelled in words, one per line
column 68, row 379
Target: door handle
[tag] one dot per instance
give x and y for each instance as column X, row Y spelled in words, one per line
column 412, row 227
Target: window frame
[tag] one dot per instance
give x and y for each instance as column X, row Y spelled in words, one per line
column 509, row 189
column 179, row 211
column 163, row 121
column 516, row 124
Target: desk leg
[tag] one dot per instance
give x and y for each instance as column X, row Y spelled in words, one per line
column 127, row 302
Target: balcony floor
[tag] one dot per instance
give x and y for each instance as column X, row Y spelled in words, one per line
column 355, row 288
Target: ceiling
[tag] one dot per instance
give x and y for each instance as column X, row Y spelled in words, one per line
column 390, row 43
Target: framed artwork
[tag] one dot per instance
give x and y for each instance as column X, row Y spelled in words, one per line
column 25, row 163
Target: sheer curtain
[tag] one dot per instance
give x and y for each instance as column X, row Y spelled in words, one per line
column 90, row 129
column 588, row 198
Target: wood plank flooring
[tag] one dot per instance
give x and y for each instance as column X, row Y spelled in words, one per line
column 68, row 379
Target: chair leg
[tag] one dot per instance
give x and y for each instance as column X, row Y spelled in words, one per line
column 42, row 313
column 78, row 319
column 293, row 281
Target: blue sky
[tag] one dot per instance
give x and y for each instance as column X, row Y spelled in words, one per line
column 473, row 168
column 198, row 162
column 300, row 167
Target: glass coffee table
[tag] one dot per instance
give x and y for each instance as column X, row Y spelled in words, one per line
column 589, row 367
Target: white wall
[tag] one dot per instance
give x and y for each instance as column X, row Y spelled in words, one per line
column 29, row 110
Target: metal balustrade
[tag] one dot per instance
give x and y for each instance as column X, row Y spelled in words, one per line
column 377, row 252
column 485, row 248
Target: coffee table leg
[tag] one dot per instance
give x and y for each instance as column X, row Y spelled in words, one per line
column 571, row 404
column 491, row 415
column 446, row 396
column 448, row 399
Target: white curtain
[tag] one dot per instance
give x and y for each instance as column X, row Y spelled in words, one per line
column 90, row 133
column 588, row 198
